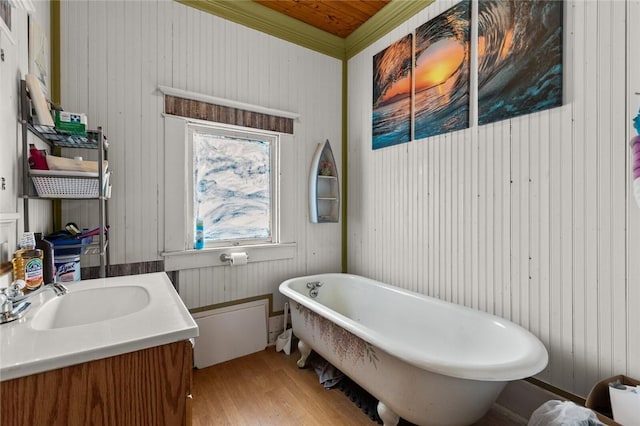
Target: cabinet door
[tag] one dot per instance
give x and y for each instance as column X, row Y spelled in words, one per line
column 145, row 387
column 8, row 243
column 8, row 126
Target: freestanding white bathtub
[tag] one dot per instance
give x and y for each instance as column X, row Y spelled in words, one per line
column 428, row 361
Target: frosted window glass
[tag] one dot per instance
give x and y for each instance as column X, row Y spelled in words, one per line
column 232, row 188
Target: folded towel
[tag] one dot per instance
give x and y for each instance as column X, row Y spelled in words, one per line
column 72, row 165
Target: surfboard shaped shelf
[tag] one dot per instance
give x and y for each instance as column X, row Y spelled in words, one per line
column 324, row 188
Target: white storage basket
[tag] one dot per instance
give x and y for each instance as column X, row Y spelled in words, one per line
column 57, row 184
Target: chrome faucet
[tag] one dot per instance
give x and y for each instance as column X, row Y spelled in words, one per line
column 313, row 288
column 17, row 296
column 13, row 305
column 10, row 312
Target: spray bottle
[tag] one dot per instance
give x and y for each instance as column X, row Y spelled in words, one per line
column 635, row 158
column 199, row 243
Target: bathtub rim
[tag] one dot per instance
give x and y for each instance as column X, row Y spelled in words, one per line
column 532, row 363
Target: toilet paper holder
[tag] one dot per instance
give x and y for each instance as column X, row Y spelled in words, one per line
column 226, row 257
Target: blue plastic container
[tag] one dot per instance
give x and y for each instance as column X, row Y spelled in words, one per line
column 69, row 246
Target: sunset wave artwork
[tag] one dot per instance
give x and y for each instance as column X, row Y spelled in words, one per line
column 519, row 57
column 442, row 72
column 391, row 121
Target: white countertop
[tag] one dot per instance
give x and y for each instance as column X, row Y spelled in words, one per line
column 25, row 350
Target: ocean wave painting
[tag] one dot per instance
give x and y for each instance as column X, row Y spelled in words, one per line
column 232, row 187
column 519, row 57
column 442, row 72
column 391, row 121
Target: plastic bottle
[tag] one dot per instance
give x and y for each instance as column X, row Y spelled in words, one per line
column 37, row 161
column 199, row 243
column 48, row 261
column 27, row 262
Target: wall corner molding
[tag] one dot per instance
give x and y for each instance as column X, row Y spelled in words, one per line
column 261, row 18
column 389, row 17
column 268, row 21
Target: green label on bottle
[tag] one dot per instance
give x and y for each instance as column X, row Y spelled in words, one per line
column 33, row 273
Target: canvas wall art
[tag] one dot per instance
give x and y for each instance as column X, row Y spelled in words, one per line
column 39, row 54
column 442, row 72
column 392, row 94
column 519, row 57
column 5, row 15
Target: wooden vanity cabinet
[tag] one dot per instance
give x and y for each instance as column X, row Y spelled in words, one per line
column 147, row 387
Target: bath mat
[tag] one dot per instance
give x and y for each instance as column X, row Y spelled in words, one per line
column 331, row 377
column 361, row 398
column 364, row 400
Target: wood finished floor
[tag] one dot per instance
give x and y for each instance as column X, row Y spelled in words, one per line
column 267, row 388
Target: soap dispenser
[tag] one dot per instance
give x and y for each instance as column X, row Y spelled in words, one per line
column 27, row 262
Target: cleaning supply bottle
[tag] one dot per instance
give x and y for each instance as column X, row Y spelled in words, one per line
column 199, row 243
column 27, row 262
column 37, row 161
column 48, row 261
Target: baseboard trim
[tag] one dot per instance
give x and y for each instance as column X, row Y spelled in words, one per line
column 136, row 268
column 513, row 417
column 557, row 391
column 522, row 397
column 269, row 298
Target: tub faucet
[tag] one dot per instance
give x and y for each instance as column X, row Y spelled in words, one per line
column 313, row 288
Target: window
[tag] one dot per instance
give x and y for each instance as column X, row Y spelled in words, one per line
column 262, row 229
column 234, row 184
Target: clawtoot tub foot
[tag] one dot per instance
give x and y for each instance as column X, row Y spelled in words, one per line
column 389, row 418
column 305, row 350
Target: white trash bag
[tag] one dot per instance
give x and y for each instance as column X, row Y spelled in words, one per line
column 563, row 413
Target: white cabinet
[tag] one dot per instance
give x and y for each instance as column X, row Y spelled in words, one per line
column 324, row 187
column 8, row 126
column 9, row 173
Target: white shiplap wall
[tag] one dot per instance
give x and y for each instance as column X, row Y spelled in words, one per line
column 14, row 67
column 529, row 218
column 633, row 209
column 114, row 56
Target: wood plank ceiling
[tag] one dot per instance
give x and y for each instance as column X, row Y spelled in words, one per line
column 338, row 17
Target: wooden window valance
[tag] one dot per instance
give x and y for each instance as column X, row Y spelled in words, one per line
column 193, row 108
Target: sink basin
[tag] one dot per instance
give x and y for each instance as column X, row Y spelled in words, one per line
column 98, row 318
column 90, row 306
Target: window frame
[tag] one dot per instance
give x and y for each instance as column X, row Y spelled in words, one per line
column 239, row 133
column 177, row 255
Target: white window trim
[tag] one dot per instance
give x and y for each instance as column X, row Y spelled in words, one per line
column 216, row 129
column 191, row 259
column 177, row 200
